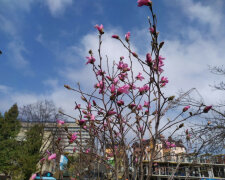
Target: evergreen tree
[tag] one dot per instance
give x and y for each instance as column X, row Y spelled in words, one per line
column 9, row 128
column 30, row 150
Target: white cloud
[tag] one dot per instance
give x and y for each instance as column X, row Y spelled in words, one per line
column 57, row 7
column 206, row 14
column 17, row 55
column 4, row 89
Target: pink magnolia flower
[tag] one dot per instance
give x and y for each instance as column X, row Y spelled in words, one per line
column 115, row 81
column 206, row 109
column 100, row 73
column 60, row 122
column 144, row 3
column 120, row 102
column 186, row 108
column 109, row 78
column 139, row 107
column 131, row 106
column 172, row 145
column 115, row 36
column 94, row 103
column 81, row 122
column 53, row 156
column 152, row 29
column 33, row 176
column 87, row 151
column 110, row 113
column 139, row 76
column 123, row 89
column 112, row 89
column 92, row 117
column 143, row 89
column 127, row 36
column 99, row 28
column 91, row 60
column 73, row 137
column 160, row 64
column 134, row 54
column 77, row 106
column 122, row 76
column 164, row 81
column 148, row 59
column 146, row 104
column 132, row 86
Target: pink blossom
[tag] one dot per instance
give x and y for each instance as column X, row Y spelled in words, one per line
column 144, row 3
column 53, row 156
column 81, row 122
column 122, row 76
column 89, row 107
column 92, row 117
column 115, row 36
column 110, row 113
column 139, row 107
column 91, row 60
column 120, row 102
column 146, row 112
column 100, row 73
column 139, row 76
column 134, row 54
column 148, row 59
column 84, row 112
column 97, row 86
column 146, row 104
column 143, row 89
column 77, row 106
column 206, row 109
column 87, row 151
column 132, row 86
column 112, row 89
column 172, row 145
column 131, row 106
column 164, row 81
column 109, row 78
column 123, row 66
column 115, row 81
column 123, row 89
column 33, row 176
column 60, row 122
column 94, row 103
column 100, row 28
column 186, row 108
column 152, row 29
column 73, row 137
column 127, row 36
column 74, row 149
column 160, row 64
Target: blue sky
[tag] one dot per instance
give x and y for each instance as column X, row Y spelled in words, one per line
column 45, row 42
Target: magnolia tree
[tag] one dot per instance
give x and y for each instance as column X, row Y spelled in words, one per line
column 126, row 108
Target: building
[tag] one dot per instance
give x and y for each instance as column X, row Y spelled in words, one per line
column 52, row 133
column 171, row 159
